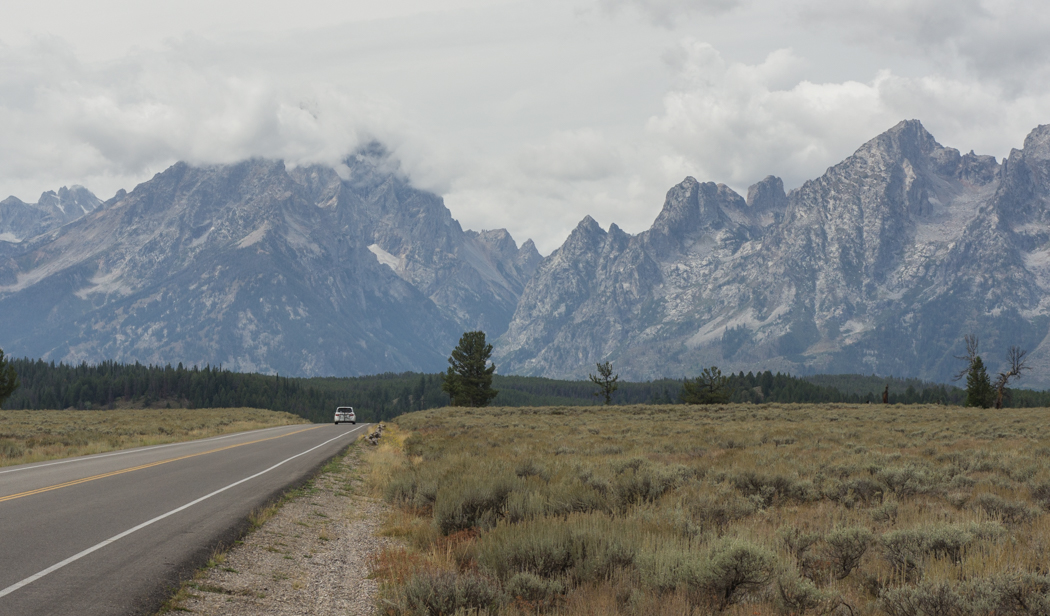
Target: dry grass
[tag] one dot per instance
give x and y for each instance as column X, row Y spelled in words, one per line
column 740, row 509
column 34, row 436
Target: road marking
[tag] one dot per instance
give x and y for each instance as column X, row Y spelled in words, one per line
column 55, row 567
column 96, row 456
column 140, row 467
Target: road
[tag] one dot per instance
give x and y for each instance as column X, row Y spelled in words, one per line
column 114, row 533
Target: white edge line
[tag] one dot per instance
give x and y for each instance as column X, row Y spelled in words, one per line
column 96, row 456
column 55, row 567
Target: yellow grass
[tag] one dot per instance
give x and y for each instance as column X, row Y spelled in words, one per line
column 676, row 486
column 34, row 436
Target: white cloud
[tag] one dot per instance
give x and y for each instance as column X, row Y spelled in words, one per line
column 735, row 123
column 128, row 119
column 1002, row 41
column 528, row 115
column 668, row 12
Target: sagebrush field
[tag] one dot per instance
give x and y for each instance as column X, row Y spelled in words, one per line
column 32, row 436
column 739, row 509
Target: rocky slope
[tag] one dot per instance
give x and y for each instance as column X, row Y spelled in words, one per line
column 881, row 265
column 262, row 268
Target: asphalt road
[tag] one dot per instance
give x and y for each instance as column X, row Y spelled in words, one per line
column 114, row 533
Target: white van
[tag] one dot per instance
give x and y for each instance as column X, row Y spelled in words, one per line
column 345, row 413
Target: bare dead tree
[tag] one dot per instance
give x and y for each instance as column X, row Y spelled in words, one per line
column 1017, row 366
column 971, row 355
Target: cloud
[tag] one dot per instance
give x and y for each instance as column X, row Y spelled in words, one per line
column 735, row 122
column 1004, row 41
column 668, row 12
column 127, row 119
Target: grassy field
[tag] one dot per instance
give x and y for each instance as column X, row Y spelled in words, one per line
column 33, row 436
column 741, row 509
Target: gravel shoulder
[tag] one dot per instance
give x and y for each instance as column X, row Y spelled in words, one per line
column 310, row 555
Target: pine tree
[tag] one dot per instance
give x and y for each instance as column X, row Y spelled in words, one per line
column 708, row 388
column 8, row 378
column 468, row 381
column 606, row 381
column 978, row 386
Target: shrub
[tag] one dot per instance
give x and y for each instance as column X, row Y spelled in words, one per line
column 471, row 501
column 1025, row 593
column 845, row 547
column 734, row 567
column 580, row 547
column 1041, row 494
column 412, row 490
column 938, row 599
column 906, row 481
column 443, row 593
column 797, row 541
column 886, row 512
column 534, row 590
column 640, row 481
column 718, row 510
column 797, row 595
column 1010, row 512
column 772, row 488
column 530, row 468
column 904, row 550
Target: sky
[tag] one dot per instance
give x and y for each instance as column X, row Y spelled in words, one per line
column 522, row 115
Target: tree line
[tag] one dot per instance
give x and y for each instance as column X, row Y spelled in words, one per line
column 36, row 384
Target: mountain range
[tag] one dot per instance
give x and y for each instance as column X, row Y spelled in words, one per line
column 879, row 266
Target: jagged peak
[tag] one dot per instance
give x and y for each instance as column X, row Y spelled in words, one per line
column 1037, row 143
column 589, row 225
column 908, row 138
column 767, row 194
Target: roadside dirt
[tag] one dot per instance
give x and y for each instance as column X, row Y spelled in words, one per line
column 310, row 557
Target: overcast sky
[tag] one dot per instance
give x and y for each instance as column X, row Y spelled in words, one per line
column 524, row 115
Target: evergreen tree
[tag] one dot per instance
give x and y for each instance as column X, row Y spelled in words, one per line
column 8, row 378
column 708, row 388
column 978, row 386
column 606, row 381
column 468, row 381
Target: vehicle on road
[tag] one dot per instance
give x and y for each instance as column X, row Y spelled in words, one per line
column 345, row 413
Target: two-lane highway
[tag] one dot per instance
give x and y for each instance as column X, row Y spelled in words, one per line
column 112, row 533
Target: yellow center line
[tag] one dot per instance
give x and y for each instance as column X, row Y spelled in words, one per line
column 140, row 467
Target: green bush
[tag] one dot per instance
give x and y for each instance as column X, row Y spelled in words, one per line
column 735, row 567
column 772, row 488
column 1024, row 593
column 797, row 595
column 1010, row 512
column 938, row 599
column 640, row 481
column 845, row 547
column 443, row 593
column 471, row 500
column 582, row 548
column 410, row 489
column 717, row 511
column 534, row 590
column 797, row 541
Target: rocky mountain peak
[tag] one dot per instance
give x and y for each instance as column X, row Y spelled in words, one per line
column 767, row 196
column 20, row 221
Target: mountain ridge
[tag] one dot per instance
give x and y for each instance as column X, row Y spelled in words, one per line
column 868, row 268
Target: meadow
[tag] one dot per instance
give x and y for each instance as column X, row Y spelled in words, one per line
column 736, row 509
column 34, row 436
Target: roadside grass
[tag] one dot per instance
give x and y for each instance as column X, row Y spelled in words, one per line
column 734, row 509
column 36, row 436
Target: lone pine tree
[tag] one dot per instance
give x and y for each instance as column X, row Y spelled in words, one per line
column 606, row 381
column 468, row 381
